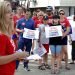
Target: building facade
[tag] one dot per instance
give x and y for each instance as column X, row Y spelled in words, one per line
column 67, row 5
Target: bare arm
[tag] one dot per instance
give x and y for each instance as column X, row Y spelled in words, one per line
column 67, row 31
column 19, row 30
column 9, row 58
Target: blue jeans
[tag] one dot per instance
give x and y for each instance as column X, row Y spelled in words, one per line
column 27, row 43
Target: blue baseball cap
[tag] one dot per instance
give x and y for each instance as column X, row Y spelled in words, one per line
column 49, row 8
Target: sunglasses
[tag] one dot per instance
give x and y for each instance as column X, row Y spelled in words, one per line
column 61, row 13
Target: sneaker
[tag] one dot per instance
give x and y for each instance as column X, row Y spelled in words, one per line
column 72, row 62
column 26, row 69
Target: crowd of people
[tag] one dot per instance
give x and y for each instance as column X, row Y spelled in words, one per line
column 11, row 38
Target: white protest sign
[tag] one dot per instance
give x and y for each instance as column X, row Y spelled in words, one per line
column 34, row 57
column 53, row 31
column 30, row 34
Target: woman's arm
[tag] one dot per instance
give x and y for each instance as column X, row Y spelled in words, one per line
column 9, row 58
column 66, row 32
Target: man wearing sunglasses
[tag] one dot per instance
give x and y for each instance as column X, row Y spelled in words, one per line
column 49, row 12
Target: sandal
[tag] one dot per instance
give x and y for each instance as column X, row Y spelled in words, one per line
column 57, row 71
column 42, row 67
column 47, row 66
column 52, row 71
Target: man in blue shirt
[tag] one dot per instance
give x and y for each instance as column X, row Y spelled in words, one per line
column 28, row 23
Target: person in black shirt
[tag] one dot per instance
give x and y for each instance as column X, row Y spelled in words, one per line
column 55, row 46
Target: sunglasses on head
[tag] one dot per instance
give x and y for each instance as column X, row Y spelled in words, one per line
column 61, row 13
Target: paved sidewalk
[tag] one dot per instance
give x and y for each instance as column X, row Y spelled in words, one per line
column 35, row 71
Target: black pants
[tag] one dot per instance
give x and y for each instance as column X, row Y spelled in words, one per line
column 73, row 50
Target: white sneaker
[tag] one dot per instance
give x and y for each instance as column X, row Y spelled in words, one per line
column 27, row 69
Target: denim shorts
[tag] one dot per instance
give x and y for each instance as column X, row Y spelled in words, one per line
column 55, row 49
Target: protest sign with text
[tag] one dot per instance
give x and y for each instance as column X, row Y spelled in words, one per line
column 53, row 31
column 31, row 34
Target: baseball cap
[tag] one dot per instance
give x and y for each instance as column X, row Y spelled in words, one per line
column 45, row 18
column 49, row 8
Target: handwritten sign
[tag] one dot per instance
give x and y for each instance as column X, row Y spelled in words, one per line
column 53, row 31
column 31, row 34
